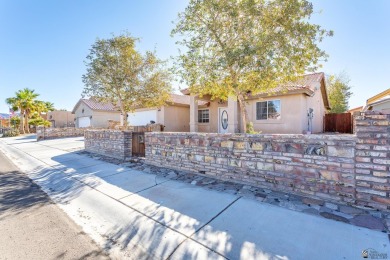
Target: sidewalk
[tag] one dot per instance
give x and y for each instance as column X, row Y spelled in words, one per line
column 33, row 227
column 138, row 215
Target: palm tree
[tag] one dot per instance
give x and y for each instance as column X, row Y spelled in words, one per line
column 49, row 107
column 16, row 105
column 42, row 107
column 28, row 97
column 24, row 102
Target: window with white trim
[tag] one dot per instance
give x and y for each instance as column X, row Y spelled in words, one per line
column 203, row 116
column 268, row 110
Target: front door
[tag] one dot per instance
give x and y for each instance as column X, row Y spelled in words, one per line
column 222, row 120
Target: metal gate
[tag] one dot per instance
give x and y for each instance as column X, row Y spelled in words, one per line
column 138, row 144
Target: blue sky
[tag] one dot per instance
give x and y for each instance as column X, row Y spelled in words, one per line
column 43, row 44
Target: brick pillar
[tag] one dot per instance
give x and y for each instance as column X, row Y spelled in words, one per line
column 373, row 160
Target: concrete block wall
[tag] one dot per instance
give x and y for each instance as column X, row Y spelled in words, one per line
column 318, row 166
column 51, row 133
column 112, row 143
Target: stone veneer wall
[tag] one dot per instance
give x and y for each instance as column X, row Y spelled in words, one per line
column 373, row 160
column 348, row 169
column 113, row 143
column 51, row 133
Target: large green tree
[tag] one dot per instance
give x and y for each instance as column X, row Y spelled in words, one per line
column 339, row 92
column 233, row 47
column 118, row 73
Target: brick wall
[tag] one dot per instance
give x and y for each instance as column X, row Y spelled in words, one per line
column 373, row 160
column 113, row 143
column 51, row 133
column 318, row 166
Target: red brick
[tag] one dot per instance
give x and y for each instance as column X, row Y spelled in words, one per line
column 382, row 200
column 381, row 187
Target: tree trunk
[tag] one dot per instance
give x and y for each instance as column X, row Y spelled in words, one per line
column 244, row 112
column 26, row 123
column 125, row 123
column 21, row 122
column 124, row 113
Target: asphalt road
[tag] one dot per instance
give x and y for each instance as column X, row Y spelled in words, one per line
column 33, row 227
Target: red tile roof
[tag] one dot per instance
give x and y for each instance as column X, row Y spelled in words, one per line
column 180, row 99
column 306, row 82
column 96, row 106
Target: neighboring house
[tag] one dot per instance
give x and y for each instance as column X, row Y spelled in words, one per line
column 379, row 102
column 4, row 120
column 292, row 109
column 175, row 115
column 91, row 113
column 61, row 118
column 355, row 110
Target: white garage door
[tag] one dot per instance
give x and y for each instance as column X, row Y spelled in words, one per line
column 84, row 121
column 142, row 117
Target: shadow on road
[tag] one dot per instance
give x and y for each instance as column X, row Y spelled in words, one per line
column 27, row 137
column 18, row 193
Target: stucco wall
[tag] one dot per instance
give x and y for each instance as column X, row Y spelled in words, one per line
column 383, row 107
column 175, row 119
column 143, row 116
column 61, row 118
column 99, row 118
column 292, row 118
column 316, row 102
column 212, row 126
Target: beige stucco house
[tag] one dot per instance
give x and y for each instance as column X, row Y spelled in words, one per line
column 61, row 118
column 379, row 102
column 174, row 116
column 91, row 113
column 291, row 109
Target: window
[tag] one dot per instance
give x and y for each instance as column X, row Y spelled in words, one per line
column 203, row 116
column 268, row 110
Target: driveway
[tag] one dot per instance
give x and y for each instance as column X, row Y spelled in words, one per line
column 137, row 215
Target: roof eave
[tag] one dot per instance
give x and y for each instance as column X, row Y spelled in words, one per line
column 308, row 92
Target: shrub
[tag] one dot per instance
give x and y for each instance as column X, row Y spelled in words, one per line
column 250, row 129
column 11, row 132
column 39, row 122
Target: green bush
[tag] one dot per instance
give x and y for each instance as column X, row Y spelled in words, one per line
column 15, row 121
column 39, row 122
column 11, row 132
column 250, row 129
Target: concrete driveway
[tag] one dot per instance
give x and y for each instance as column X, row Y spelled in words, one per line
column 138, row 215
